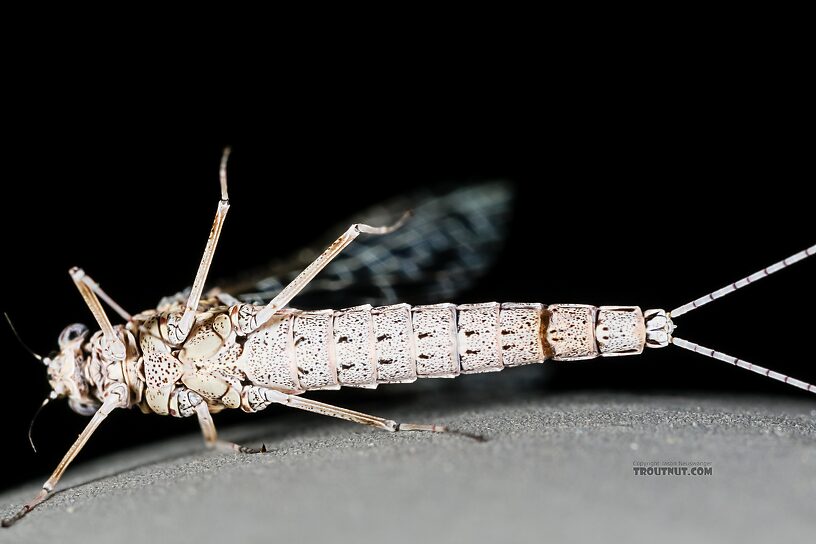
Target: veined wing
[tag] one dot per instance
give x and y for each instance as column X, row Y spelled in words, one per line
column 453, row 238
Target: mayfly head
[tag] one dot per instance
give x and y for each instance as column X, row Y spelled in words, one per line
column 65, row 370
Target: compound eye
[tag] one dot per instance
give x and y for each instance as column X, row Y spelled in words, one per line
column 71, row 333
column 82, row 408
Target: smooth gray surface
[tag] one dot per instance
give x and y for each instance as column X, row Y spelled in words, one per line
column 557, row 467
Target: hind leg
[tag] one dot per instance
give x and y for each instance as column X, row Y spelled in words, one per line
column 260, row 397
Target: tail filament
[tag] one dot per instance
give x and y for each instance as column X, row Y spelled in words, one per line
column 702, row 301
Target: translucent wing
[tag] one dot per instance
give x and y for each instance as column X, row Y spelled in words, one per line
column 452, row 239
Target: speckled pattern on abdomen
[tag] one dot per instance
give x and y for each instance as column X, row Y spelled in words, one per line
column 364, row 346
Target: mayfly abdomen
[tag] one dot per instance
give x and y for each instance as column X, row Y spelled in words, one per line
column 268, row 358
column 364, row 346
column 394, row 344
column 313, row 345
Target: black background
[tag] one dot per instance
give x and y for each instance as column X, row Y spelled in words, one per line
column 652, row 194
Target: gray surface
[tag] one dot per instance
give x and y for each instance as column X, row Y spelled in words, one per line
column 557, row 467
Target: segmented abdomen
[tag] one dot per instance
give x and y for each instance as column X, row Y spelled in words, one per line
column 364, row 346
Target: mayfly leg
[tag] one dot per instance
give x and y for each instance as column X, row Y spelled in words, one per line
column 77, row 274
column 116, row 399
column 302, row 280
column 113, row 344
column 357, row 417
column 185, row 324
column 211, row 435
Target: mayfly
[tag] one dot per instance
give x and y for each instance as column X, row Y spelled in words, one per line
column 197, row 354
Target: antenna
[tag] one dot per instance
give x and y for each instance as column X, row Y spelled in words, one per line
column 48, row 399
column 16, row 334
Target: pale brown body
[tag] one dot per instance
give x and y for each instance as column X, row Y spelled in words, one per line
column 300, row 351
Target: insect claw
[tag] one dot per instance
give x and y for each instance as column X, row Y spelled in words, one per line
column 472, row 436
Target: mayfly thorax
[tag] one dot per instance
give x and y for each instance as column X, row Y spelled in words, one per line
column 198, row 354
